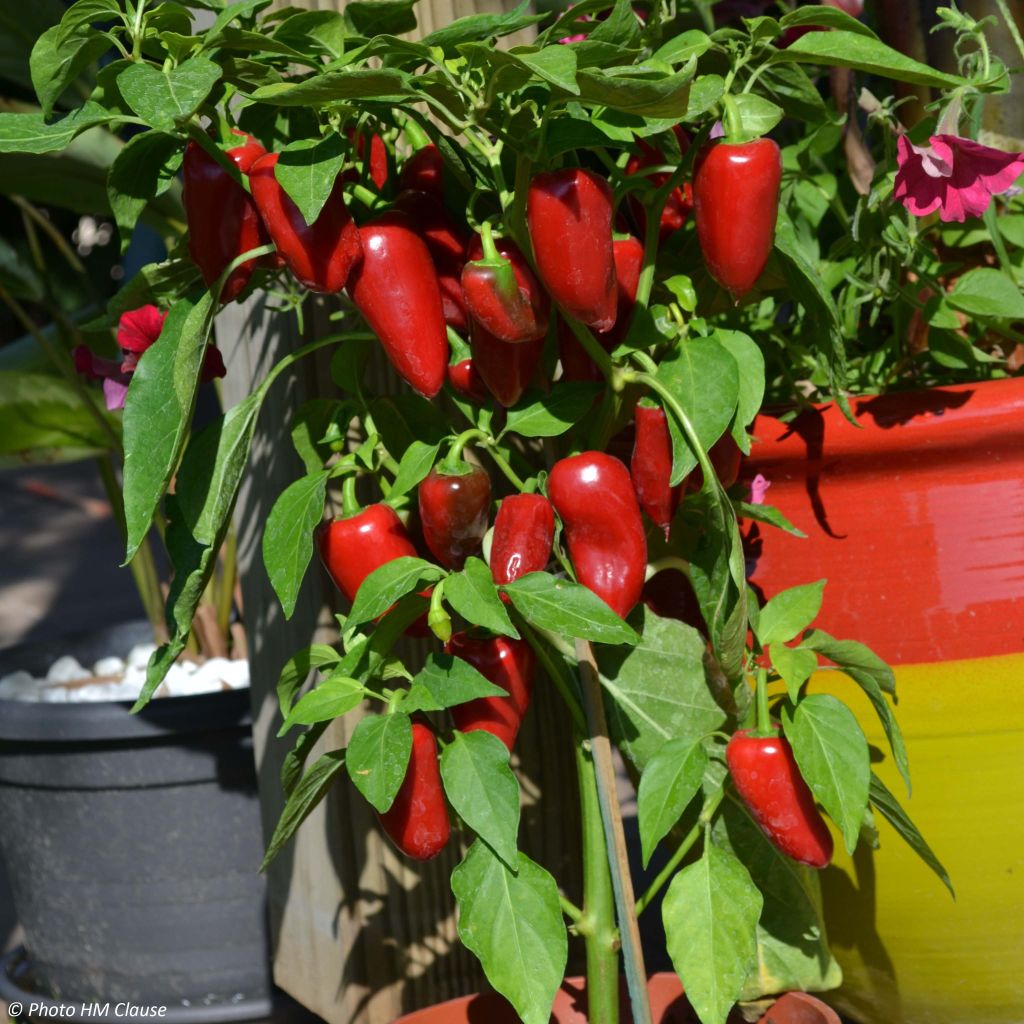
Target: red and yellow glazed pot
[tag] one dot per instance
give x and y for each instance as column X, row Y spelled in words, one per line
column 917, row 522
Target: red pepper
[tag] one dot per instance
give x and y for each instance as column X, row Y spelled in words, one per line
column 736, row 201
column 378, row 160
column 223, row 221
column 395, row 287
column 725, row 457
column 418, row 821
column 506, row 369
column 454, row 509
column 569, row 215
column 321, row 254
column 768, row 781
column 576, row 364
column 465, row 379
column 424, row 171
column 677, row 207
column 507, row 663
column 651, row 466
column 446, row 241
column 523, row 531
column 501, row 292
column 593, row 496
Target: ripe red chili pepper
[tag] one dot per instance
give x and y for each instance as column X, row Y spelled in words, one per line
column 454, row 509
column 768, row 781
column 507, row 663
column 725, row 457
column 424, row 171
column 446, row 241
column 417, row 822
column 523, row 531
column 569, row 215
column 466, row 380
column 506, row 369
column 320, row 255
column 680, row 201
column 593, row 496
column 651, row 466
column 378, row 159
column 223, row 221
column 736, row 201
column 501, row 292
column 395, row 287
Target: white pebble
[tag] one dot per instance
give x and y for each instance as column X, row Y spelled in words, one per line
column 66, row 670
column 54, row 694
column 18, row 686
column 108, row 667
column 139, row 655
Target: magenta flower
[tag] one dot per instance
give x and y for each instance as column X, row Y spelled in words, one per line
column 758, row 489
column 958, row 177
column 136, row 331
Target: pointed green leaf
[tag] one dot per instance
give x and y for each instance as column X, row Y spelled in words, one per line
column 378, row 757
column 670, row 781
column 789, row 613
column 384, row 586
column 474, row 596
column 445, row 681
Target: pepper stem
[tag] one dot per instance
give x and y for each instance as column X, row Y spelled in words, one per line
column 491, row 253
column 453, row 465
column 349, row 502
column 414, row 134
column 764, row 718
column 733, row 119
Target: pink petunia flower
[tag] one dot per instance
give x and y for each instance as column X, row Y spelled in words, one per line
column 136, row 331
column 758, row 489
column 958, row 177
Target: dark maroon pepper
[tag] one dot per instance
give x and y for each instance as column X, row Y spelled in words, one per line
column 454, row 509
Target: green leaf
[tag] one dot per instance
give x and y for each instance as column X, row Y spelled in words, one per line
column 658, row 692
column 384, row 586
column 548, row 415
column 378, row 757
column 416, row 463
column 710, row 913
column 307, row 170
column 482, row 789
column 311, row 422
column 309, row 792
column 445, row 681
column 620, row 26
column 380, row 17
column 987, row 292
column 679, row 49
column 288, row 536
column 56, row 63
column 158, row 411
column 296, row 670
column 163, row 99
column 555, row 64
column 795, row 664
column 825, row 17
column 474, row 596
column 704, row 379
column 295, row 760
column 29, row 133
column 759, row 115
column 670, row 781
column 334, row 87
column 890, row 808
column 567, row 608
column 87, row 12
column 314, row 32
column 240, row 9
column 833, row 758
column 512, row 922
column 750, row 364
column 705, row 92
column 767, row 514
column 335, row 696
column 480, row 27
column 845, row 49
column 144, row 169
column 789, row 613
column 638, row 89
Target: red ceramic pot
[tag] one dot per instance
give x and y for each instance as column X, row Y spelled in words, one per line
column 917, row 522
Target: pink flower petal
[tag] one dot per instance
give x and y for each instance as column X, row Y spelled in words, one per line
column 758, row 489
column 115, row 390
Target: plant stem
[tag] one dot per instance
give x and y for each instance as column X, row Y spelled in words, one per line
column 1011, row 26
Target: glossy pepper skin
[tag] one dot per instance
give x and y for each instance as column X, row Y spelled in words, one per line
column 679, row 204
column 523, row 531
column 454, row 510
column 768, row 781
column 223, row 221
column 424, row 171
column 320, row 255
column 417, row 822
column 651, row 466
column 506, row 369
column 502, row 294
column 376, row 165
column 569, row 216
column 593, row 496
column 507, row 663
column 736, row 203
column 395, row 287
column 629, row 261
column 467, row 382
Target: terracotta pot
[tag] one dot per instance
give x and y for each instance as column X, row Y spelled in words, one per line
column 917, row 522
column 668, row 1006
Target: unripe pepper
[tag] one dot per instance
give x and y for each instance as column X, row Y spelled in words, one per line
column 467, row 382
column 395, row 287
column 736, row 203
column 320, row 255
column 507, row 663
column 223, row 221
column 593, row 496
column 424, row 171
column 454, row 509
column 569, row 215
column 417, row 822
column 651, row 466
column 502, row 294
column 506, row 369
column 677, row 207
column 523, row 531
column 768, row 781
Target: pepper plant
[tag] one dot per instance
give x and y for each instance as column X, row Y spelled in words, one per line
column 588, row 263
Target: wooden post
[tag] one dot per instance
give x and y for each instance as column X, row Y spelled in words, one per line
column 360, row 935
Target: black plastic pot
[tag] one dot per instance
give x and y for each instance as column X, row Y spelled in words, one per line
column 132, row 843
